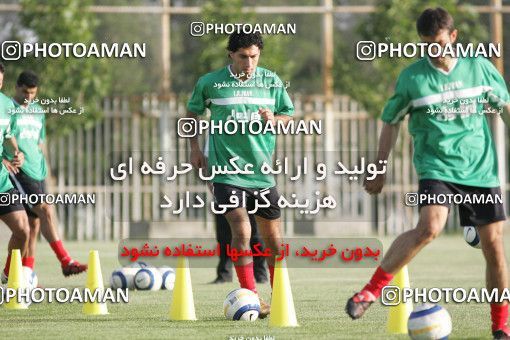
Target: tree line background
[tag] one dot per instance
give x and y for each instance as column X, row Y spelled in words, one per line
column 295, row 58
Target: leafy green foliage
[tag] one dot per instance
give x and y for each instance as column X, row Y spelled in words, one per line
column 84, row 80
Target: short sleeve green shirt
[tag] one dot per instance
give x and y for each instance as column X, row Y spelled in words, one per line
column 227, row 97
column 6, row 107
column 28, row 126
column 448, row 119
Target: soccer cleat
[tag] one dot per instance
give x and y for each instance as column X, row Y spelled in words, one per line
column 265, row 309
column 501, row 333
column 359, row 303
column 73, row 268
column 4, row 278
column 261, row 279
column 220, row 280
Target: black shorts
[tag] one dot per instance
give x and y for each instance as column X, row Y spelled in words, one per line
column 6, row 204
column 223, row 192
column 477, row 206
column 29, row 186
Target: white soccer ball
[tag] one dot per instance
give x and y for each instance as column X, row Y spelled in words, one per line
column 31, row 280
column 148, row 279
column 139, row 264
column 472, row 237
column 242, row 304
column 429, row 321
column 167, row 278
column 123, row 278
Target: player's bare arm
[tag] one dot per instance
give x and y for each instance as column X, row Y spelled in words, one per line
column 387, row 141
column 505, row 115
column 19, row 157
column 268, row 115
column 196, row 155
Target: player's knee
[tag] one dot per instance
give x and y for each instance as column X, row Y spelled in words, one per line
column 241, row 241
column 34, row 224
column 428, row 233
column 45, row 210
column 494, row 245
column 22, row 231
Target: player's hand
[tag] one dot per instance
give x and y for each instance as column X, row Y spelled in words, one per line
column 267, row 115
column 197, row 159
column 374, row 186
column 18, row 159
column 11, row 168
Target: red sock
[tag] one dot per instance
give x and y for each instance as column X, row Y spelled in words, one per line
column 271, row 274
column 61, row 252
column 7, row 265
column 246, row 276
column 378, row 281
column 28, row 262
column 499, row 316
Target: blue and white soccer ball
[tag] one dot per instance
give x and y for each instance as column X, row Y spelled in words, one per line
column 148, row 279
column 123, row 278
column 242, row 304
column 429, row 321
column 472, row 237
column 139, row 264
column 167, row 278
column 31, row 280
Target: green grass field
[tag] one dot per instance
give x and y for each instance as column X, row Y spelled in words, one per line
column 319, row 298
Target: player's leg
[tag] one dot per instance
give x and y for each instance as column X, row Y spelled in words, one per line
column 269, row 230
column 430, row 224
column 241, row 231
column 489, row 219
column 35, row 224
column 491, row 239
column 223, row 237
column 268, row 223
column 48, row 227
column 17, row 222
column 259, row 263
column 49, row 230
column 269, row 226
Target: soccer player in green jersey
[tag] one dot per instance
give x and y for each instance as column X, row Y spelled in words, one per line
column 453, row 154
column 12, row 213
column 28, row 126
column 243, row 92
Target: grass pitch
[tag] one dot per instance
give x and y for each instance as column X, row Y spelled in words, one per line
column 319, row 298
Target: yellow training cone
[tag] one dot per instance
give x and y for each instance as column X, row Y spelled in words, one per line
column 183, row 307
column 16, row 280
column 95, row 281
column 283, row 313
column 399, row 314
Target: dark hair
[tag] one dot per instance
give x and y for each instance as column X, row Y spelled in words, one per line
column 28, row 78
column 239, row 40
column 2, row 68
column 432, row 20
